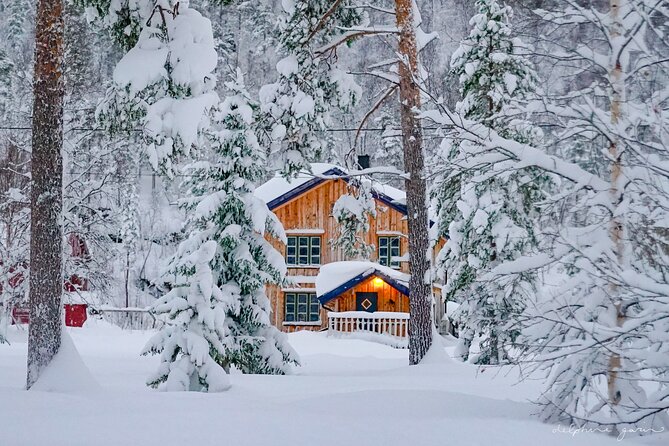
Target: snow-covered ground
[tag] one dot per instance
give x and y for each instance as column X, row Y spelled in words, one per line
column 348, row 392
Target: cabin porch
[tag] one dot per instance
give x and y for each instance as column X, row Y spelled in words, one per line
column 366, row 300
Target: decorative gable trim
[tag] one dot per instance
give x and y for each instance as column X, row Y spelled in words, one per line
column 335, row 293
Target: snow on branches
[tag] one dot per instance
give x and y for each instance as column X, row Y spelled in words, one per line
column 597, row 325
column 488, row 214
column 228, row 224
column 192, row 342
column 297, row 105
column 353, row 211
column 165, row 82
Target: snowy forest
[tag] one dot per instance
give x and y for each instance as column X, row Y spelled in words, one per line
column 527, row 141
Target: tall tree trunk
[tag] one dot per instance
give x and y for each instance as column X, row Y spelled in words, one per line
column 616, row 154
column 420, row 301
column 46, row 282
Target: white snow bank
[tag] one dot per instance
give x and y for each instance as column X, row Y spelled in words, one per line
column 347, row 392
column 381, row 338
column 335, row 274
column 436, row 353
column 67, row 372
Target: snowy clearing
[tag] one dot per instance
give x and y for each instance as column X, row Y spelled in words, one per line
column 347, row 392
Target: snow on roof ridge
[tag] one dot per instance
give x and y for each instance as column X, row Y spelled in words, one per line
column 279, row 186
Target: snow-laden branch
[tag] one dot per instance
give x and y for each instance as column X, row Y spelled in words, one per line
column 353, row 33
column 525, row 155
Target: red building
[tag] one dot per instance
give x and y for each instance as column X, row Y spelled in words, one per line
column 75, row 309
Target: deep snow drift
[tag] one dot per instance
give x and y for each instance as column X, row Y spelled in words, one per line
column 348, row 392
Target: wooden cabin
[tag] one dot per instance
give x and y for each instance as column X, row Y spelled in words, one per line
column 326, row 286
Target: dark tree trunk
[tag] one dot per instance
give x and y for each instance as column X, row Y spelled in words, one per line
column 420, row 323
column 46, row 283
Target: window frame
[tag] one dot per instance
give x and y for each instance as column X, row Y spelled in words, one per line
column 392, row 248
column 313, row 251
column 311, row 312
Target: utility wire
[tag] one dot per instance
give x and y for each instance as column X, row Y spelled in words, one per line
column 84, row 129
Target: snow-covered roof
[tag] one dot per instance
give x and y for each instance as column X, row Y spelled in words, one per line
column 273, row 191
column 337, row 277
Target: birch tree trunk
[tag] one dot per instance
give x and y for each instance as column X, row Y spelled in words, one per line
column 616, row 156
column 420, row 302
column 46, row 283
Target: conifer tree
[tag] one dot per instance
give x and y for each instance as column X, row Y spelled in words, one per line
column 297, row 105
column 488, row 215
column 226, row 262
column 46, row 279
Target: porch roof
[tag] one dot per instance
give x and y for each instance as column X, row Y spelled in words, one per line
column 338, row 277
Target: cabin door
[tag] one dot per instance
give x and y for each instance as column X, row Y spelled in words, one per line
column 366, row 302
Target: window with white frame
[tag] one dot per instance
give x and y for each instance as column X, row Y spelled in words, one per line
column 303, row 250
column 301, row 307
column 388, row 251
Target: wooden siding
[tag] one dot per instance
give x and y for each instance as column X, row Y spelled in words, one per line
column 389, row 298
column 313, row 210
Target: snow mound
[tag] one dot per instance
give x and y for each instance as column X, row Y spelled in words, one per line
column 67, row 373
column 436, row 354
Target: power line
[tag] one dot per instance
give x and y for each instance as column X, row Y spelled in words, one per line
column 85, row 129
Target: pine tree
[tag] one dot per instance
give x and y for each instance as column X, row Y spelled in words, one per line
column 297, row 106
column 165, row 82
column 488, row 215
column 46, row 285
column 192, row 341
column 226, row 262
column 246, row 261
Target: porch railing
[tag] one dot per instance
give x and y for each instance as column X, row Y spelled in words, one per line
column 378, row 324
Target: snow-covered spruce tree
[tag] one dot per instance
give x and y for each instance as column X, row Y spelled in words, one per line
column 218, row 295
column 488, row 213
column 246, row 262
column 191, row 343
column 165, row 82
column 296, row 107
column 352, row 212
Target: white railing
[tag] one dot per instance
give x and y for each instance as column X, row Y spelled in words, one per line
column 379, row 325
